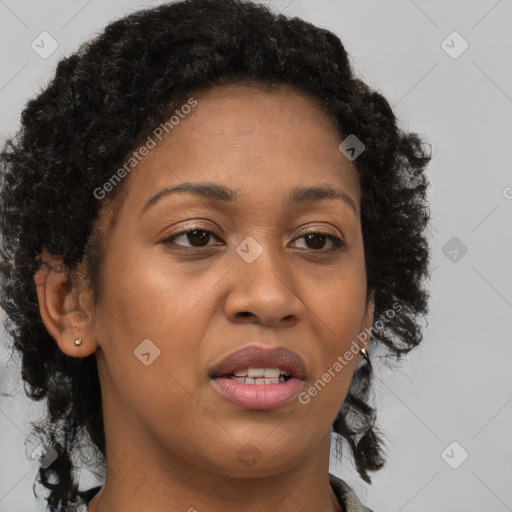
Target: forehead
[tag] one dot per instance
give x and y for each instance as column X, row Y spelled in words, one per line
column 260, row 142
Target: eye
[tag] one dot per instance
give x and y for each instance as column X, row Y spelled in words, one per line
column 317, row 240
column 199, row 237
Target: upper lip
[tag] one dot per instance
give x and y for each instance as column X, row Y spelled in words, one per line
column 259, row 357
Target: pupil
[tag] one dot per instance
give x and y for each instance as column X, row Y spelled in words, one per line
column 316, row 236
column 194, row 234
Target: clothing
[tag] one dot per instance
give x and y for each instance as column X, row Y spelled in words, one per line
column 346, row 496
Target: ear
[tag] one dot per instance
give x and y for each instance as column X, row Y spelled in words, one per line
column 65, row 306
column 366, row 325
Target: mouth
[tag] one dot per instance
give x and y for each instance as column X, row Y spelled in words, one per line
column 255, row 362
column 259, row 378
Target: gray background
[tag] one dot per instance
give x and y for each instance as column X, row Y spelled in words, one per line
column 457, row 387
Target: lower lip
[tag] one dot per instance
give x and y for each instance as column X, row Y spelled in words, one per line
column 258, row 396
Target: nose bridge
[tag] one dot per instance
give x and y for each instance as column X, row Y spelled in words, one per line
column 264, row 281
column 261, row 252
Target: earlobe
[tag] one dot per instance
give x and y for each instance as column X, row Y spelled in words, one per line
column 64, row 311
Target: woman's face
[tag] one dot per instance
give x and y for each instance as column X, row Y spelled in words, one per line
column 171, row 310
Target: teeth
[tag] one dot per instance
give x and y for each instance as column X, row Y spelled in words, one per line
column 268, row 373
column 258, row 381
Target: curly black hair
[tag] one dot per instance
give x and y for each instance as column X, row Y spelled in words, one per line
column 102, row 102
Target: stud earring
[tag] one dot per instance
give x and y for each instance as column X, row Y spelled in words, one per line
column 78, row 341
column 364, row 352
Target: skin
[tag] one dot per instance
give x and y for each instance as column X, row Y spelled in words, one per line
column 173, row 441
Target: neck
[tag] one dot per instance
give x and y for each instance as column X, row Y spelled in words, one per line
column 161, row 481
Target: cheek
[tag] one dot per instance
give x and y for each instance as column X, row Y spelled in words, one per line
column 339, row 313
column 152, row 300
column 338, row 297
column 147, row 290
column 338, row 308
column 149, row 295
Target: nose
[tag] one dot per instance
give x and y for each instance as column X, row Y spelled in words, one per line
column 265, row 290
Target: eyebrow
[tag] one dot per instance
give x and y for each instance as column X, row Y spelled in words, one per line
column 219, row 193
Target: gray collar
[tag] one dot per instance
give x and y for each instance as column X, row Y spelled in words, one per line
column 346, row 495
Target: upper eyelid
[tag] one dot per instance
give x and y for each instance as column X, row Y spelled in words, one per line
column 197, row 226
column 312, row 229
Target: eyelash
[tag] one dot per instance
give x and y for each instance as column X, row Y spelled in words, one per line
column 337, row 242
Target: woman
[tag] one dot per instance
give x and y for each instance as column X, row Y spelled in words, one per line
column 208, row 224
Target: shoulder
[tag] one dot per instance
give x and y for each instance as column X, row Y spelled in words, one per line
column 346, row 495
